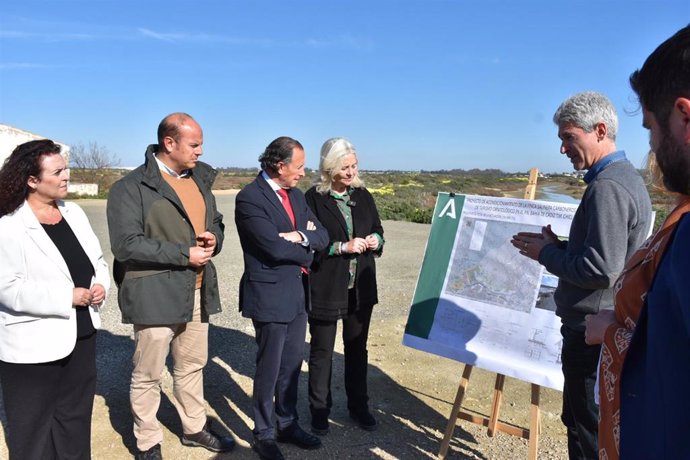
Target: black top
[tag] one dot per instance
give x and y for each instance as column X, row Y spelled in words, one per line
column 330, row 299
column 79, row 265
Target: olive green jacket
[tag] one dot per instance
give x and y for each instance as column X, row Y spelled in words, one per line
column 150, row 237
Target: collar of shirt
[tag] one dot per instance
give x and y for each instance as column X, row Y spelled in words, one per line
column 274, row 186
column 600, row 165
column 345, row 196
column 163, row 167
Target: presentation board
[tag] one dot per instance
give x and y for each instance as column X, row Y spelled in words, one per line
column 480, row 302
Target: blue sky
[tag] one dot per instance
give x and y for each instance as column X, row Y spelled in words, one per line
column 418, row 84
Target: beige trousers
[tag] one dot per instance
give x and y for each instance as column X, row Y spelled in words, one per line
column 188, row 343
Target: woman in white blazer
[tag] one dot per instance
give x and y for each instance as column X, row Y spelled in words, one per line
column 53, row 279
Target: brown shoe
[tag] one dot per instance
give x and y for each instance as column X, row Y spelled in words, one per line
column 154, row 453
column 209, row 439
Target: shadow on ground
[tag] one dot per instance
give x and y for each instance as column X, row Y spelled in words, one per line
column 408, row 427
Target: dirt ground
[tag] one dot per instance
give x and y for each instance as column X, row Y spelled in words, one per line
column 411, row 392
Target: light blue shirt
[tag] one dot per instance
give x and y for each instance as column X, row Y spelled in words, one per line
column 600, row 165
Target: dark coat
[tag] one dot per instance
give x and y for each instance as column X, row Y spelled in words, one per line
column 330, row 274
column 656, row 375
column 150, row 237
column 271, row 288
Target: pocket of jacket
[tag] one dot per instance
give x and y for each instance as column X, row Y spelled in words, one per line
column 134, row 274
column 263, row 277
column 8, row 318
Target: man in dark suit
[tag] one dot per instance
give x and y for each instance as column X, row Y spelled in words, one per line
column 279, row 234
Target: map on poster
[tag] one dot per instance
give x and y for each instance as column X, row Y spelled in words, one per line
column 478, row 300
column 484, row 264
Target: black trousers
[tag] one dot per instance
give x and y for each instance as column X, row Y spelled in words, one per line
column 580, row 413
column 355, row 334
column 49, row 405
column 278, row 365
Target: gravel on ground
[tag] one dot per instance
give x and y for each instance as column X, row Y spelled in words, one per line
column 411, row 392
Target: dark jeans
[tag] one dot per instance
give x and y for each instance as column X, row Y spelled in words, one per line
column 278, row 364
column 355, row 334
column 49, row 405
column 580, row 413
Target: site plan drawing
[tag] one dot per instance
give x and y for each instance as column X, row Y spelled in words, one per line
column 486, row 268
column 478, row 300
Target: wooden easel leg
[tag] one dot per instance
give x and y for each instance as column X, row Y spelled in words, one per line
column 496, row 406
column 493, row 423
column 534, row 424
column 450, row 428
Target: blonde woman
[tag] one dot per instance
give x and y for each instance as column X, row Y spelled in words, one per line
column 343, row 283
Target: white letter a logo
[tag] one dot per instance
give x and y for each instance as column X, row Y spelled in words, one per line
column 448, row 209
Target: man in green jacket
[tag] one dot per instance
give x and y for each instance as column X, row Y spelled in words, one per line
column 164, row 229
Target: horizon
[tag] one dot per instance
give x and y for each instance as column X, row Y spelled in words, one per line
column 414, row 84
column 257, row 169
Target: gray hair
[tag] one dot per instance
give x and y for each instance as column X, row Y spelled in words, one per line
column 586, row 110
column 333, row 152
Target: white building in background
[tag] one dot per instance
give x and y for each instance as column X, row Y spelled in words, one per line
column 11, row 137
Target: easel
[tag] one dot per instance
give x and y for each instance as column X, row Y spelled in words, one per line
column 531, row 188
column 492, row 423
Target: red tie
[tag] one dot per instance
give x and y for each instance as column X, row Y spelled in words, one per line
column 288, row 208
column 287, row 205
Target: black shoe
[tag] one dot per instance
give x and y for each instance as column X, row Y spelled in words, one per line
column 364, row 420
column 209, row 439
column 153, row 453
column 319, row 423
column 267, row 449
column 297, row 436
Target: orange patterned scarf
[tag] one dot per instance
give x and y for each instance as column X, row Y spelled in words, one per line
column 630, row 293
